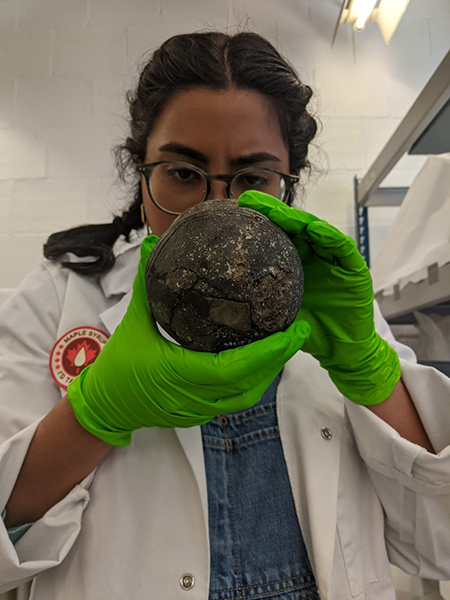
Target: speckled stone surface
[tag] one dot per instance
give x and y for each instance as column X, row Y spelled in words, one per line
column 223, row 276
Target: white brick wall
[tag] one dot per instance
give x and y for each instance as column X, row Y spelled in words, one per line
column 26, row 52
column 55, row 102
column 86, row 53
column 65, row 66
column 6, row 102
column 22, row 153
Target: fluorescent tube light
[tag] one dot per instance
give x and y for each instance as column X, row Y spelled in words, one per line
column 363, row 9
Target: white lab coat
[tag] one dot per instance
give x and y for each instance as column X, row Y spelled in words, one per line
column 139, row 522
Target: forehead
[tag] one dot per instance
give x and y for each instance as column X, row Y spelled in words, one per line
column 233, row 121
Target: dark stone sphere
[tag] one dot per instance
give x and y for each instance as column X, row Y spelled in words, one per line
column 223, row 276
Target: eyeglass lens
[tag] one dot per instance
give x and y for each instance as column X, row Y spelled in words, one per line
column 177, row 188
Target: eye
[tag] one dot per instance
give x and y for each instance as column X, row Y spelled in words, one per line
column 182, row 175
column 254, row 179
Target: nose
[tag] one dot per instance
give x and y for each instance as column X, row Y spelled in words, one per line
column 218, row 190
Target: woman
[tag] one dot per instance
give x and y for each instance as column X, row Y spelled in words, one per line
column 257, row 472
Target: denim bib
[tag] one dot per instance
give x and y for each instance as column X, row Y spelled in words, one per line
column 256, row 545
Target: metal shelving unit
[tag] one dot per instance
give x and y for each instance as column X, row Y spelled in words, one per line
column 424, row 130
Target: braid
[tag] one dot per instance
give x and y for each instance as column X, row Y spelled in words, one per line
column 131, row 219
column 94, row 240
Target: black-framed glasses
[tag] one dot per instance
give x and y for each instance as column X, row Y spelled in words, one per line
column 174, row 186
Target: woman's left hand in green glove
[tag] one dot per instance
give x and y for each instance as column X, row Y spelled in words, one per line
column 337, row 303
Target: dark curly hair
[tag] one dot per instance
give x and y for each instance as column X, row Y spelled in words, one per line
column 216, row 60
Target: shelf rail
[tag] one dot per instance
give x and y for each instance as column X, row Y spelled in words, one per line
column 432, row 99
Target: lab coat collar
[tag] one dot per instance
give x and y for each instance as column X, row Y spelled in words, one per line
column 119, row 280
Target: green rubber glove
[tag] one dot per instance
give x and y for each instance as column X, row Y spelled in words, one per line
column 140, row 379
column 337, row 303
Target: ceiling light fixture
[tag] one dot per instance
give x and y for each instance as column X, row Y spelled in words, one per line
column 386, row 13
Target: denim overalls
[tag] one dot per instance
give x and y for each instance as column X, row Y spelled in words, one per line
column 256, row 545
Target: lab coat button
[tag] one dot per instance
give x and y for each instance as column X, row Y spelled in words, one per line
column 187, row 581
column 327, row 433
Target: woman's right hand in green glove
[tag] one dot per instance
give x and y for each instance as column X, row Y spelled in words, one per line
column 140, row 379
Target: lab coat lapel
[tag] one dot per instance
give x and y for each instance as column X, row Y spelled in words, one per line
column 190, row 438
column 308, row 402
column 191, row 441
column 112, row 316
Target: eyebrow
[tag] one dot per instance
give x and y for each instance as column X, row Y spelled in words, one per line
column 250, row 159
column 185, row 150
column 240, row 161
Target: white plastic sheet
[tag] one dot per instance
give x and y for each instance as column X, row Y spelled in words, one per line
column 420, row 234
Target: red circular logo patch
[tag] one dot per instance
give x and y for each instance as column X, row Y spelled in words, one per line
column 74, row 351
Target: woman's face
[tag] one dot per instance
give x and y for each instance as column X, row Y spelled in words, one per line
column 220, row 132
